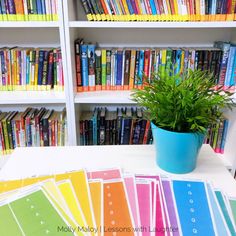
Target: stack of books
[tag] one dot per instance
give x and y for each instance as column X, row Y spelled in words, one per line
column 32, row 128
column 121, row 127
column 24, row 10
column 110, row 202
column 159, row 10
column 127, row 68
column 31, row 69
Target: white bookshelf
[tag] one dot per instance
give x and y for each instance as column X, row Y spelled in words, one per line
column 32, row 97
column 29, row 24
column 152, row 25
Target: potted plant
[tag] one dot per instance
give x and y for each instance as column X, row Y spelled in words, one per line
column 181, row 108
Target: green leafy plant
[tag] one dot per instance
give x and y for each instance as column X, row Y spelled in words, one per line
column 187, row 103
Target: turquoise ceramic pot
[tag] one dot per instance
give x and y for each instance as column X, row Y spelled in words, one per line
column 176, row 152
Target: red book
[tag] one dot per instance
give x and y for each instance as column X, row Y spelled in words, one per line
column 146, row 132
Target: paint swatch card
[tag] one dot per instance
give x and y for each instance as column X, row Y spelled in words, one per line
column 133, row 199
column 224, row 210
column 160, row 216
column 81, row 189
column 232, row 202
column 31, row 214
column 144, row 190
column 168, row 196
column 105, row 174
column 193, row 207
column 117, row 213
column 96, row 191
column 220, row 223
column 66, row 189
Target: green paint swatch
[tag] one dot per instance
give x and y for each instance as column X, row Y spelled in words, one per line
column 233, row 208
column 225, row 212
column 34, row 213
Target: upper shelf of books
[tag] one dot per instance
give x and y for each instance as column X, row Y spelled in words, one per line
column 143, row 11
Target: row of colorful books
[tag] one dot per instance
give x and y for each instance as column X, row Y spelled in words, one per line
column 128, row 68
column 32, row 128
column 159, row 10
column 31, row 69
column 28, row 10
column 120, row 127
column 217, row 136
column 112, row 202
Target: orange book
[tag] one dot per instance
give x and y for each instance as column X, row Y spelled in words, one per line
column 19, row 7
column 104, row 7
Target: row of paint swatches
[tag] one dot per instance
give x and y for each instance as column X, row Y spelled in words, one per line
column 109, row 202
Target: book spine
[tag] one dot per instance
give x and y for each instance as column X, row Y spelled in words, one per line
column 108, row 69
column 85, row 6
column 84, row 62
column 232, row 55
column 141, row 68
column 104, row 82
column 119, row 69
column 224, row 135
column 147, row 55
column 132, row 69
column 127, row 69
column 78, row 65
column 45, row 132
column 145, row 137
column 91, row 67
column 98, row 70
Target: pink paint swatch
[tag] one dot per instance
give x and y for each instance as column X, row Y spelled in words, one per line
column 105, row 174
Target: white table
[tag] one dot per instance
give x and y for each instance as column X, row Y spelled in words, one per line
column 26, row 162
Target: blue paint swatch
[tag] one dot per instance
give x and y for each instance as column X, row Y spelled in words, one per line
column 193, row 208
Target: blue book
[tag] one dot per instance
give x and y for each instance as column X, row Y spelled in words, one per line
column 213, row 8
column 91, row 64
column 232, row 53
column 43, row 7
column 40, row 68
column 193, row 206
column 178, row 61
column 3, row 7
column 95, row 127
column 131, row 10
column 233, row 73
column 11, row 7
column 153, row 7
column 224, row 135
column 27, row 69
column 119, row 67
column 39, row 6
column 84, row 62
column 141, row 67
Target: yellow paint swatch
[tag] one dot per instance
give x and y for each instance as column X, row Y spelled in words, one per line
column 68, row 193
column 81, row 189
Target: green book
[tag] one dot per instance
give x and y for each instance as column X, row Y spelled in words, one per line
column 232, row 203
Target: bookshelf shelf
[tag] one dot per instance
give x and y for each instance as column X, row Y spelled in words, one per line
column 164, row 25
column 104, row 97
column 32, row 97
column 29, row 24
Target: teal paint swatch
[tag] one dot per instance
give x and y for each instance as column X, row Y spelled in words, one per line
column 225, row 212
column 233, row 208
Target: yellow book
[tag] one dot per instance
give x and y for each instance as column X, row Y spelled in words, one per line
column 176, row 7
column 5, row 133
column 36, row 86
column 55, row 17
column 182, row 62
column 126, row 7
column 197, row 7
column 1, row 17
column 132, row 69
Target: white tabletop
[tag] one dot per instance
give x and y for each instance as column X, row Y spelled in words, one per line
column 26, row 162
